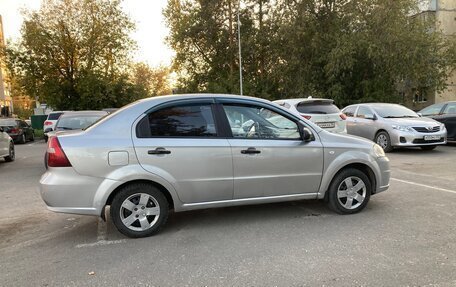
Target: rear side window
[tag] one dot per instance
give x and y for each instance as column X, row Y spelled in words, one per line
column 350, row 111
column 179, row 121
column 317, row 108
column 54, row 116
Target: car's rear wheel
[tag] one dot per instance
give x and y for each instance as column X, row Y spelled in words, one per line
column 349, row 191
column 12, row 154
column 139, row 210
column 22, row 139
column 428, row 147
column 383, row 139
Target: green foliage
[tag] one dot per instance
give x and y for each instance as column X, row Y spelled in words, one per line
column 349, row 50
column 75, row 55
column 23, row 113
column 38, row 133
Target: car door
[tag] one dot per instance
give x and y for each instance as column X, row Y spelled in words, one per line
column 180, row 142
column 448, row 118
column 365, row 123
column 350, row 120
column 269, row 157
column 26, row 128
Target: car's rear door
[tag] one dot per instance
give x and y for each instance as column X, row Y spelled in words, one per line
column 269, row 157
column 4, row 143
column 180, row 142
column 364, row 123
column 351, row 120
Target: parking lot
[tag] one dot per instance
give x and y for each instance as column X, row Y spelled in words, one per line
column 405, row 237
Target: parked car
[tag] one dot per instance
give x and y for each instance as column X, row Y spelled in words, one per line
column 184, row 153
column 18, row 130
column 6, row 146
column 323, row 112
column 392, row 125
column 49, row 123
column 444, row 113
column 76, row 121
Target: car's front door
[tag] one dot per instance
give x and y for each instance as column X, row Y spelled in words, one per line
column 180, row 143
column 269, row 157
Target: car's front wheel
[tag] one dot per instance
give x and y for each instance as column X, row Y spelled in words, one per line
column 349, row 191
column 139, row 210
column 22, row 139
column 12, row 154
column 383, row 139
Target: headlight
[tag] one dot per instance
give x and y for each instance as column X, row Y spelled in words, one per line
column 402, row 128
column 378, row 151
column 442, row 127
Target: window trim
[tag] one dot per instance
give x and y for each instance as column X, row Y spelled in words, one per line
column 176, row 103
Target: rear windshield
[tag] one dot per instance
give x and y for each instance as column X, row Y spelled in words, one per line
column 7, row 123
column 76, row 123
column 317, row 108
column 54, row 116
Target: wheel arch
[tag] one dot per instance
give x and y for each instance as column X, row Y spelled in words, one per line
column 163, row 189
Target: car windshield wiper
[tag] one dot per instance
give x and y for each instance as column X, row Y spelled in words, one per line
column 65, row 128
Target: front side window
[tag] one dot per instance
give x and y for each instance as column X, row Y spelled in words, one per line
column 364, row 112
column 259, row 123
column 182, row 121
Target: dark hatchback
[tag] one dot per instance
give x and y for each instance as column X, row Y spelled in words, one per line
column 444, row 113
column 18, row 130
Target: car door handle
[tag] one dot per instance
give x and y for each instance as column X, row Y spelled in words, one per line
column 250, row 150
column 159, row 150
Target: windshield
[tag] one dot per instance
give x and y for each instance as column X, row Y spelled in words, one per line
column 317, row 108
column 394, row 111
column 77, row 122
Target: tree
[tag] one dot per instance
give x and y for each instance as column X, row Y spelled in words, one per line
column 349, row 50
column 74, row 54
column 153, row 81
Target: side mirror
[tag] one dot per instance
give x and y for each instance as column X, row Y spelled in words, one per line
column 48, row 130
column 1, row 129
column 307, row 135
column 419, row 114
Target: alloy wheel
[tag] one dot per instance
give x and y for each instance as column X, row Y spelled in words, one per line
column 382, row 141
column 139, row 212
column 351, row 192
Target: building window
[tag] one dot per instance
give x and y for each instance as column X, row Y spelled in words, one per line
column 419, row 97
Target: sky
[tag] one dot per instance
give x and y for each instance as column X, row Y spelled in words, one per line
column 147, row 14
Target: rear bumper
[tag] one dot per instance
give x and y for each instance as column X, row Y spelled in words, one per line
column 64, row 190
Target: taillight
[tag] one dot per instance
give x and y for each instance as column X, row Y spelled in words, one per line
column 15, row 131
column 306, row 117
column 55, row 155
column 47, row 123
column 343, row 116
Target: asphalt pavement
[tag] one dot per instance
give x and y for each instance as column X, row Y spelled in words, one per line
column 406, row 236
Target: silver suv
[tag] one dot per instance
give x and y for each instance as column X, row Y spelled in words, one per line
column 204, row 151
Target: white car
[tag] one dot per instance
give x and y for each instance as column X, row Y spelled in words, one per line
column 50, row 122
column 322, row 112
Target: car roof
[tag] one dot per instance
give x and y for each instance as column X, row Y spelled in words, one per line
column 83, row 113
column 297, row 101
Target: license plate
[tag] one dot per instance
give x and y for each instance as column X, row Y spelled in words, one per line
column 326, row 125
column 431, row 138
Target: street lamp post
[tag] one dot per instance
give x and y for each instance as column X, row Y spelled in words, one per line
column 239, row 44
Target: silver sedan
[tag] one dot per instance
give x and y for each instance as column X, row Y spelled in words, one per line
column 205, row 151
column 392, row 125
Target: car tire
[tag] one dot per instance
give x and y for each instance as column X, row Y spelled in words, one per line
column 45, row 138
column 32, row 139
column 428, row 147
column 345, row 196
column 383, row 139
column 22, row 139
column 12, row 153
column 139, row 210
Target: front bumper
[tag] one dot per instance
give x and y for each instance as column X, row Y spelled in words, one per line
column 411, row 139
column 385, row 174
